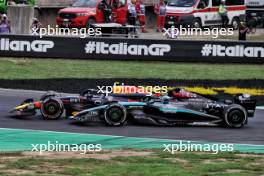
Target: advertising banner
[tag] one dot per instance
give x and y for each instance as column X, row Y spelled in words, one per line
column 131, row 49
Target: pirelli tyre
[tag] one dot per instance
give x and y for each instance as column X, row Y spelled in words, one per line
column 115, row 114
column 235, row 116
column 52, row 108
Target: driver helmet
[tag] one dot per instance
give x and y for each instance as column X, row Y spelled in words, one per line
column 165, row 99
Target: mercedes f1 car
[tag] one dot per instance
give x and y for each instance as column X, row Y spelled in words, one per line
column 179, row 108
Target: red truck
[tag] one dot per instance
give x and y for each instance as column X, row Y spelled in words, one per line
column 83, row 13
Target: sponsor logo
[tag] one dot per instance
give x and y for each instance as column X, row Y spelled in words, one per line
column 232, row 51
column 25, row 46
column 125, row 49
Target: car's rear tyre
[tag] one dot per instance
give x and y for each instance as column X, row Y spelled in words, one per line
column 115, row 114
column 235, row 116
column 52, row 108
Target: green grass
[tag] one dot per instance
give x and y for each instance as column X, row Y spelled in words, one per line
column 47, row 68
column 156, row 163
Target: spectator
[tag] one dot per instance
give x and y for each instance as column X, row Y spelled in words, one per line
column 132, row 12
column 172, row 33
column 107, row 10
column 223, row 13
column 160, row 11
column 35, row 26
column 141, row 12
column 5, row 25
column 243, row 30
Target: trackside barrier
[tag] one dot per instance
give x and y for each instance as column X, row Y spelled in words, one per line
column 132, row 49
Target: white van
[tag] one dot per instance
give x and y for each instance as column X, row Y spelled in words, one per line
column 202, row 13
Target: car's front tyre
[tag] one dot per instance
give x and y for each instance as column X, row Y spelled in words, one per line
column 115, row 114
column 52, row 108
